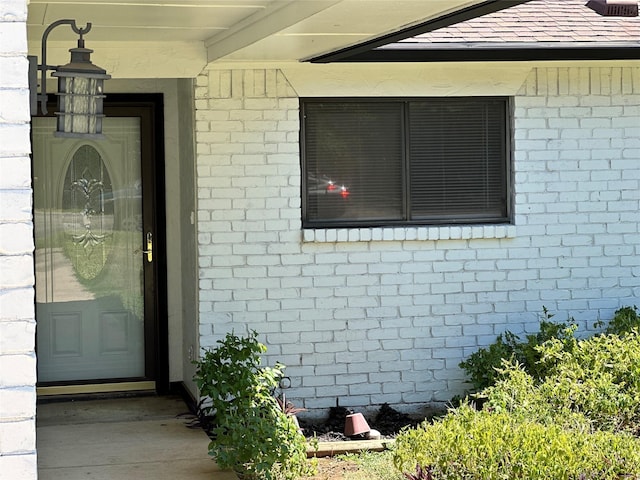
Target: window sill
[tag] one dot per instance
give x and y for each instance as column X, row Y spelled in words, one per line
column 377, row 234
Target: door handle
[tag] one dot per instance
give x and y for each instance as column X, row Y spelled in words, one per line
column 149, row 250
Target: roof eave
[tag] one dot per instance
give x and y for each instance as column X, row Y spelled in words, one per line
column 504, row 53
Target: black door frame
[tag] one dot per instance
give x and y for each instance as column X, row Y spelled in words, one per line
column 151, row 108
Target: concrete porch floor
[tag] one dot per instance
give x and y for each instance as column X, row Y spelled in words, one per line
column 122, row 439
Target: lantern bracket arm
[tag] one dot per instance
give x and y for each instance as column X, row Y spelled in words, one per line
column 43, row 67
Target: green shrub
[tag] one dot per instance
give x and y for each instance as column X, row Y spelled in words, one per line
column 252, row 433
column 488, row 445
column 595, row 381
column 624, row 320
column 483, row 366
column 556, row 408
column 517, row 393
column 599, row 377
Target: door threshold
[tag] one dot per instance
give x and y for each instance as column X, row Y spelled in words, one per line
column 96, row 388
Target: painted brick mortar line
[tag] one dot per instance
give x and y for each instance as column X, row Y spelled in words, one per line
column 293, row 291
column 17, row 326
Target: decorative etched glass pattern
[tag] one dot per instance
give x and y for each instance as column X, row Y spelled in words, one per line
column 88, row 213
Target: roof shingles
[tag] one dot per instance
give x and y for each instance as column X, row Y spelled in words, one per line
column 538, row 21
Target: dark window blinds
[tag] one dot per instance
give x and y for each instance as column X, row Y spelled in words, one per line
column 388, row 161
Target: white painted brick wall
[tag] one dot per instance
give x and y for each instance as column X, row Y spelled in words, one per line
column 17, row 323
column 366, row 316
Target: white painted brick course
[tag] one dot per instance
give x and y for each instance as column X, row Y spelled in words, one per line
column 17, row 325
column 402, row 306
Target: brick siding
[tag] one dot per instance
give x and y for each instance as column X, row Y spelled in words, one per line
column 17, row 324
column 366, row 316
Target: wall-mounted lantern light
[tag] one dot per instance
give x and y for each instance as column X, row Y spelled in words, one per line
column 80, row 88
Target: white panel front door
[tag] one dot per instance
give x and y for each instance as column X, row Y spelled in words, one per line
column 89, row 264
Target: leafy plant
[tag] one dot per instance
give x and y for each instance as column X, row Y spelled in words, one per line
column 624, row 320
column 593, row 382
column 483, row 367
column 559, row 408
column 471, row 444
column 421, row 473
column 598, row 376
column 288, row 407
column 251, row 434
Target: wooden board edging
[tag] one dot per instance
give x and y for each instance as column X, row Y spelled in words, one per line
column 329, row 449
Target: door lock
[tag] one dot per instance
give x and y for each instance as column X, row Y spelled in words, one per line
column 149, row 250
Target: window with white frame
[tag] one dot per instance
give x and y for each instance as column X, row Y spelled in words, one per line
column 390, row 161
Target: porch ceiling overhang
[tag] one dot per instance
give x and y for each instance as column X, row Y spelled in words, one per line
column 178, row 38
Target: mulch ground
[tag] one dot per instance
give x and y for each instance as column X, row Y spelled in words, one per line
column 387, row 421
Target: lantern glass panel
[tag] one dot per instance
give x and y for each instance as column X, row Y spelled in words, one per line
column 80, row 105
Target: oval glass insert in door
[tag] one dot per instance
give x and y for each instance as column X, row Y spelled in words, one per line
column 89, row 271
column 87, row 213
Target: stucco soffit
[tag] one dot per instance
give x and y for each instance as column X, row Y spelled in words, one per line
column 436, row 79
